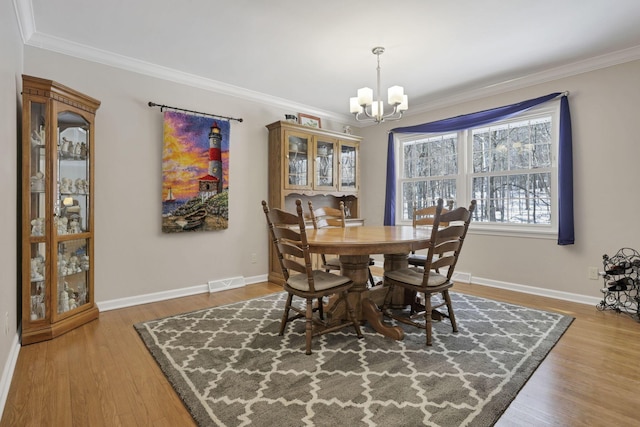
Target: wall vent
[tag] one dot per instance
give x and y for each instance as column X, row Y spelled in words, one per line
column 223, row 284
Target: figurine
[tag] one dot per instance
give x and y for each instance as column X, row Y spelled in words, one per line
column 80, row 186
column 37, row 182
column 64, row 148
column 62, row 267
column 84, row 262
column 37, row 227
column 74, row 226
column 83, row 151
column 73, row 266
column 36, row 268
column 37, row 138
column 65, row 185
column 77, row 150
column 62, row 225
column 64, row 300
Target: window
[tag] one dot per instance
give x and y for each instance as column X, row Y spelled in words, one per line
column 509, row 167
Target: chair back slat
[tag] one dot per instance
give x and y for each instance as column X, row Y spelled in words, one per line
column 289, row 248
column 288, row 233
column 446, row 241
column 327, row 216
column 451, row 232
column 292, row 265
column 445, row 247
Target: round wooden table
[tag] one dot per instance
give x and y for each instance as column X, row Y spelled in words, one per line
column 354, row 245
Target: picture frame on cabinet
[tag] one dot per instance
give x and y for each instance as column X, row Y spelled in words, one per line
column 308, row 120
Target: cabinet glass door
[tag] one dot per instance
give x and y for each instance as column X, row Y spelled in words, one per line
column 36, row 210
column 72, row 204
column 72, row 289
column 348, row 167
column 325, row 157
column 298, row 158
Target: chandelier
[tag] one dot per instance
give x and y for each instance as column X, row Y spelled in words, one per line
column 363, row 106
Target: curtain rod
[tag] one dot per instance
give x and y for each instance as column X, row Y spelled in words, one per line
column 162, row 107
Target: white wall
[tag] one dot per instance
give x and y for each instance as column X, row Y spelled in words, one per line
column 10, row 87
column 604, row 109
column 133, row 257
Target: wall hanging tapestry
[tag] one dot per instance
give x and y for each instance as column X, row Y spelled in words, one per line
column 195, row 173
column 231, row 368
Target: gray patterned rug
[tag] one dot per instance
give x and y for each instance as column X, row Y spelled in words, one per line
column 231, row 368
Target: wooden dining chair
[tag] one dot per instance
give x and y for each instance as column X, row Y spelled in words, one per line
column 288, row 232
column 443, row 251
column 327, row 216
column 421, row 218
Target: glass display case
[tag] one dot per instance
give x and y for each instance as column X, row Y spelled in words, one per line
column 57, row 209
column 315, row 165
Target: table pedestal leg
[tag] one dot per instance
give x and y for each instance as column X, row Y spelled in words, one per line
column 396, row 262
column 356, row 267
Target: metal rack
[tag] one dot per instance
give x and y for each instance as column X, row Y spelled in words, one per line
column 621, row 276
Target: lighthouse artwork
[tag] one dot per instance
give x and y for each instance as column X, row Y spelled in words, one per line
column 194, row 173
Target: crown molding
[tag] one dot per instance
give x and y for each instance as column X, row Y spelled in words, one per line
column 568, row 70
column 81, row 51
column 26, row 21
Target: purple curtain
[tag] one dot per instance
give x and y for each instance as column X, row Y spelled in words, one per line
column 466, row 121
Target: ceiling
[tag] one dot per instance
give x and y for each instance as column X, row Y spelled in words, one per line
column 315, row 55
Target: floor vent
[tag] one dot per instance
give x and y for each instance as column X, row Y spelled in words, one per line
column 223, row 284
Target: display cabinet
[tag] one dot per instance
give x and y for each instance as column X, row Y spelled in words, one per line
column 312, row 164
column 57, row 209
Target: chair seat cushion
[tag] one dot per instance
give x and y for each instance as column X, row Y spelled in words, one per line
column 333, row 263
column 417, row 260
column 321, row 280
column 413, row 276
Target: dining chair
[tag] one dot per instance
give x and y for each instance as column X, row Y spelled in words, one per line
column 444, row 250
column 327, row 216
column 421, row 218
column 288, row 232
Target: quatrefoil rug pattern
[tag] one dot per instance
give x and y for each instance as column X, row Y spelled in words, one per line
column 230, row 367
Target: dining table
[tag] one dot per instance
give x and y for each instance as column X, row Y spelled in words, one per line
column 354, row 245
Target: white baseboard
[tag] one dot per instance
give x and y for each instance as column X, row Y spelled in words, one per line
column 7, row 372
column 463, row 277
column 561, row 295
column 175, row 293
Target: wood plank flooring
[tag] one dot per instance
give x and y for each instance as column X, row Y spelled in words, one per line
column 102, row 375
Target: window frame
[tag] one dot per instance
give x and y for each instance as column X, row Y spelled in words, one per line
column 465, row 175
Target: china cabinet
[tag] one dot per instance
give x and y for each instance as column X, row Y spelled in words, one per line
column 57, row 209
column 312, row 164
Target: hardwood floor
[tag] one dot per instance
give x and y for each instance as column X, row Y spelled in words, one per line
column 102, row 375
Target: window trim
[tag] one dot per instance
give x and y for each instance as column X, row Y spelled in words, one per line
column 465, row 176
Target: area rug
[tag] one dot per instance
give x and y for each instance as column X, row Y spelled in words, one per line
column 230, row 367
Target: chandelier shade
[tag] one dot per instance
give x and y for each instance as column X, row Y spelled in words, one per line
column 365, row 108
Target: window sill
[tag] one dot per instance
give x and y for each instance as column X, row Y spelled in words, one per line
column 513, row 231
